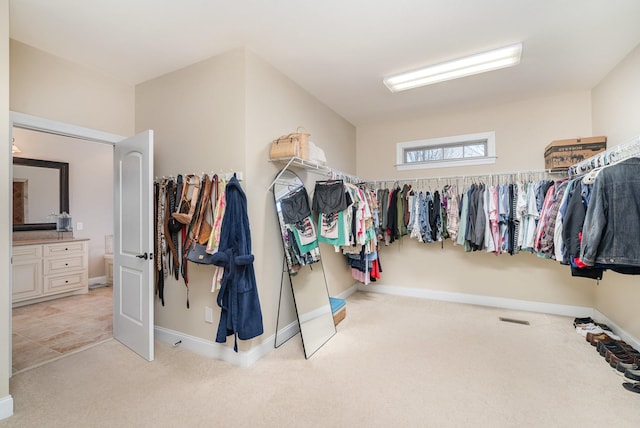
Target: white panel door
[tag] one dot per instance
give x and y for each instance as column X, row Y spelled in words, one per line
column 133, row 244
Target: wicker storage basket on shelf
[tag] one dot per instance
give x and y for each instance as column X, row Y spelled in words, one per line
column 295, row 144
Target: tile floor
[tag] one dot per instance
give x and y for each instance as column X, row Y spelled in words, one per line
column 46, row 331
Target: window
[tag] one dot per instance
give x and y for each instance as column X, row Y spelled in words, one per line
column 459, row 150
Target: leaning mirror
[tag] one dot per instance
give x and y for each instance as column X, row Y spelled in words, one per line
column 40, row 189
column 302, row 262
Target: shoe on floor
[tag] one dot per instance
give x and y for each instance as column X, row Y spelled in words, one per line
column 611, row 335
column 622, row 367
column 589, row 328
column 586, row 320
column 633, row 387
column 632, row 374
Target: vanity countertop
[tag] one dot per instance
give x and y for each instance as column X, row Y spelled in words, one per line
column 46, row 241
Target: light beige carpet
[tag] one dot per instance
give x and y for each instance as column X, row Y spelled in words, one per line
column 395, row 362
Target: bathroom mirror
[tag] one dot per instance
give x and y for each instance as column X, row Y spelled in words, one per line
column 303, row 266
column 40, row 188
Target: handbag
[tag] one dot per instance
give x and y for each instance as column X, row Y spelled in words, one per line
column 198, row 254
column 186, row 207
column 195, row 251
column 291, row 145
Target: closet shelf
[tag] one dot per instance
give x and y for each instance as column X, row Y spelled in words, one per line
column 314, row 167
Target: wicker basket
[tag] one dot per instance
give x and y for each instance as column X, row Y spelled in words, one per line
column 339, row 315
column 292, row 145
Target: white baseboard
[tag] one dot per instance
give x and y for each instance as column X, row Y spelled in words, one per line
column 288, row 332
column 473, row 299
column 348, row 292
column 97, row 280
column 602, row 318
column 217, row 350
column 6, row 407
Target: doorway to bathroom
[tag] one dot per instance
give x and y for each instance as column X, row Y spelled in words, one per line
column 45, row 331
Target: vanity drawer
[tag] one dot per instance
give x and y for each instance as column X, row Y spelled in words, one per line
column 26, row 252
column 63, row 264
column 57, row 284
column 64, row 249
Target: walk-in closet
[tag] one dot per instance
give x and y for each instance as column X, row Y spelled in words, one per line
column 420, row 213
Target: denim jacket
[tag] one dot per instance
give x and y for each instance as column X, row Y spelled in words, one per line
column 612, row 225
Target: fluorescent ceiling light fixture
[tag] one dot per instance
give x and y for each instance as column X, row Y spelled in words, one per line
column 461, row 67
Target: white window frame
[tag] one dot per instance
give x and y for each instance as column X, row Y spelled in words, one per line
column 489, row 137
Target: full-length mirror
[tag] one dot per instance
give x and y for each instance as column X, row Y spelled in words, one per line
column 303, row 264
column 40, row 189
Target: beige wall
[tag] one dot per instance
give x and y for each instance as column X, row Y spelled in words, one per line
column 616, row 103
column 198, row 117
column 277, row 106
column 221, row 115
column 48, row 86
column 5, row 223
column 90, row 185
column 522, row 129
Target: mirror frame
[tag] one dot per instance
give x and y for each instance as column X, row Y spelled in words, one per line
column 310, row 346
column 63, row 167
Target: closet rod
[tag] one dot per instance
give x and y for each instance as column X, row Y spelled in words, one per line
column 462, row 177
column 222, row 175
column 312, row 167
column 611, row 156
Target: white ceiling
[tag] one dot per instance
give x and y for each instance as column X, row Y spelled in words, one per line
column 339, row 50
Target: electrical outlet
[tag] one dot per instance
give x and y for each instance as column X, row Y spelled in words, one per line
column 208, row 314
column 79, row 226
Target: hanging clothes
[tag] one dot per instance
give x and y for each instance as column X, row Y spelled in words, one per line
column 392, row 217
column 611, row 227
column 298, row 231
column 238, row 299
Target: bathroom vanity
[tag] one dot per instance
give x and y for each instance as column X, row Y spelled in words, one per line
column 49, row 268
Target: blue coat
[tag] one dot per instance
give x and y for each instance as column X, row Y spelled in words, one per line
column 238, row 296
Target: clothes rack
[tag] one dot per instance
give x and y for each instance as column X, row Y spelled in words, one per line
column 611, row 156
column 488, row 176
column 222, row 175
column 333, row 173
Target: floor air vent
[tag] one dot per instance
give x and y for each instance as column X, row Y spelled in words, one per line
column 515, row 321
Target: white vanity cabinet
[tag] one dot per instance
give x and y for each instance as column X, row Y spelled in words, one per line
column 45, row 270
column 27, row 272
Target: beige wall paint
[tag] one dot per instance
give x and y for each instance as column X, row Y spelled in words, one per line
column 616, row 102
column 48, row 86
column 522, row 129
column 90, row 185
column 198, row 117
column 221, row 115
column 5, row 183
column 277, row 106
